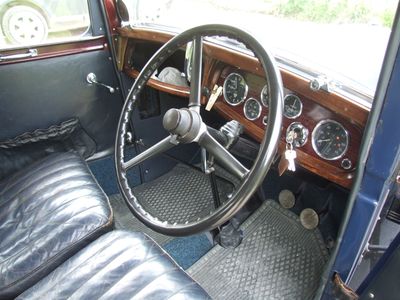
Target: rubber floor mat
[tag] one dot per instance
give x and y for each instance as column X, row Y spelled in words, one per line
column 181, row 194
column 278, row 259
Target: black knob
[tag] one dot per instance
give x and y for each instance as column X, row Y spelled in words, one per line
column 171, row 119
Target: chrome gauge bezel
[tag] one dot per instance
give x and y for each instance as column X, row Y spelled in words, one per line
column 323, row 122
column 284, row 104
column 244, row 109
column 261, row 96
column 304, row 130
column 224, row 89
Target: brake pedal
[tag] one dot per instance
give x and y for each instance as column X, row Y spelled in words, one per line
column 309, row 218
column 287, row 199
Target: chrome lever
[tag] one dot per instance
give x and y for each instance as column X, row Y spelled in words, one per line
column 31, row 53
column 91, row 78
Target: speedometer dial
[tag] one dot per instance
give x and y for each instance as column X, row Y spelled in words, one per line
column 293, row 106
column 330, row 139
column 252, row 109
column 235, row 89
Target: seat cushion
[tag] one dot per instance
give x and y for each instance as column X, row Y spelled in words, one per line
column 118, row 265
column 48, row 212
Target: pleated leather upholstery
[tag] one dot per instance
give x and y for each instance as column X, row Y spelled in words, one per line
column 48, row 212
column 119, row 265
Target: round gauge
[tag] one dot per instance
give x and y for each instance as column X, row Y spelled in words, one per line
column 330, row 140
column 292, row 106
column 235, row 89
column 252, row 109
column 264, row 95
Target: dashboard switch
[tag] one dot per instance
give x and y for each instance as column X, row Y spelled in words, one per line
column 346, row 164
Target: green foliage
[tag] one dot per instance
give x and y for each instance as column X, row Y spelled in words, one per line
column 321, row 11
column 318, row 11
column 387, row 17
column 326, row 11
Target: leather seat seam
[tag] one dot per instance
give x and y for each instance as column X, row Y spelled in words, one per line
column 83, row 262
column 14, row 183
column 57, row 256
column 141, row 263
column 35, row 241
column 26, row 188
column 55, row 196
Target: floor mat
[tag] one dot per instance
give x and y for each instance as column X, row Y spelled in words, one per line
column 125, row 220
column 183, row 194
column 278, row 259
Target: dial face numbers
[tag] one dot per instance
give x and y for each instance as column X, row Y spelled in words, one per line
column 292, row 106
column 235, row 89
column 330, row 140
column 264, row 95
column 252, row 109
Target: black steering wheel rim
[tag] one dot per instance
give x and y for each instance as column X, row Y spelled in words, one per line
column 268, row 146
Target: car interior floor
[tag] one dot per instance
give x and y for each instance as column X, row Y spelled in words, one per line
column 274, row 248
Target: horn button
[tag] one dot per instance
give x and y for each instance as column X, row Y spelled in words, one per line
column 185, row 123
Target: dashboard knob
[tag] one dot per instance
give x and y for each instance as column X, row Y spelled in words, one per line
column 346, row 164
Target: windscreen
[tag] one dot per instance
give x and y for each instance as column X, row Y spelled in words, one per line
column 343, row 40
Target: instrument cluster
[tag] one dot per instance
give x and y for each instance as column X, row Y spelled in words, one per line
column 329, row 139
column 235, row 90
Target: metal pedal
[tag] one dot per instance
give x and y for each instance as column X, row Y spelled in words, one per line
column 309, row 218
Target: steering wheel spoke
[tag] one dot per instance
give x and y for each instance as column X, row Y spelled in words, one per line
column 223, row 156
column 162, row 146
column 196, row 73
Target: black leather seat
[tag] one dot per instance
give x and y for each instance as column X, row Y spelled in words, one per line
column 48, row 212
column 118, row 265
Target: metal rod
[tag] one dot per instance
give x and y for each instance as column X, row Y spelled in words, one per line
column 195, row 82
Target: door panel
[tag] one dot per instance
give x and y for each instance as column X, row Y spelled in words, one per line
column 50, row 88
column 42, row 93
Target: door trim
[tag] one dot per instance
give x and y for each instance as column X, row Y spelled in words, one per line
column 58, row 49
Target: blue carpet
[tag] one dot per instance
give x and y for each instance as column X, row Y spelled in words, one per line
column 104, row 171
column 187, row 250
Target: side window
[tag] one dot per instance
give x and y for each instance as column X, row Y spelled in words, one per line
column 34, row 22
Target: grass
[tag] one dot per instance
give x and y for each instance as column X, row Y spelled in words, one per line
column 320, row 11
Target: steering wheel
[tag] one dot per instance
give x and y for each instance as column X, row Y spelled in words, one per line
column 185, row 125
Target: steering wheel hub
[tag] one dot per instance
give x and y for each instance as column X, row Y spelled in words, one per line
column 184, row 123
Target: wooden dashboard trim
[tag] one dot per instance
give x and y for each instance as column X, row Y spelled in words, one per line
column 339, row 104
column 161, row 86
column 315, row 165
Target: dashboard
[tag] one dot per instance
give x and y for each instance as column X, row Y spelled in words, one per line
column 318, row 131
column 327, row 127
